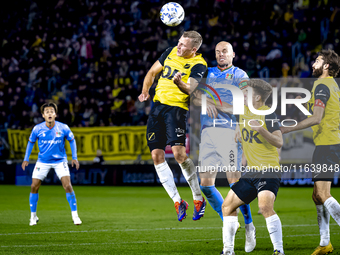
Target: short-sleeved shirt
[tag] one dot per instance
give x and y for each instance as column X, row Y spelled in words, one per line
column 259, row 152
column 326, row 94
column 216, row 76
column 51, row 141
column 167, row 92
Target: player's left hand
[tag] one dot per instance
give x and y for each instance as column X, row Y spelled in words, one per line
column 75, row 163
column 255, row 125
column 177, row 78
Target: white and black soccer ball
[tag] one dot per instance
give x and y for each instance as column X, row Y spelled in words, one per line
column 172, row 14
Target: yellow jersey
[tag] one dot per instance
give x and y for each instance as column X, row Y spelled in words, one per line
column 326, row 94
column 260, row 154
column 167, row 91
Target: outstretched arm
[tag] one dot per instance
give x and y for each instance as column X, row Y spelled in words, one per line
column 149, row 79
column 315, row 119
column 212, row 108
column 322, row 94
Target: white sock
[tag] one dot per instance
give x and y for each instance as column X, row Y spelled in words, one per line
column 230, row 225
column 167, row 179
column 333, row 208
column 33, row 214
column 189, row 173
column 74, row 214
column 249, row 227
column 275, row 231
column 323, row 221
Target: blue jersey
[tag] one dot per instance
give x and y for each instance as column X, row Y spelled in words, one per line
column 230, row 76
column 51, row 141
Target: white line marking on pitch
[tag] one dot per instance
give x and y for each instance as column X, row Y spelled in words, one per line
column 160, row 241
column 153, row 229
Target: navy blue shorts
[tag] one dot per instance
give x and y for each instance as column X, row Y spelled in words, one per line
column 251, row 183
column 326, row 159
column 166, row 125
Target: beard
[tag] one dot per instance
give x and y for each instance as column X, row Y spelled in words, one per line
column 317, row 72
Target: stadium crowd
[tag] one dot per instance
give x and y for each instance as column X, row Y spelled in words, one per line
column 91, row 57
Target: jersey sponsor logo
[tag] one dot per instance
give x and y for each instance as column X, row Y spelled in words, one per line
column 169, row 74
column 321, row 94
column 151, row 136
column 50, row 141
column 251, row 136
column 186, row 66
column 232, row 158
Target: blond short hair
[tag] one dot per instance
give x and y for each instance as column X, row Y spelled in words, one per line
column 195, row 37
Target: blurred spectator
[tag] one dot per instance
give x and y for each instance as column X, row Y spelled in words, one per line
column 95, row 58
column 99, row 159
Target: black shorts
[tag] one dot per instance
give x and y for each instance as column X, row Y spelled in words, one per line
column 326, row 159
column 166, row 125
column 251, row 183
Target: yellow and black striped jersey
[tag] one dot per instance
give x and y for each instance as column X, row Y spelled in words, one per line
column 326, row 94
column 167, row 91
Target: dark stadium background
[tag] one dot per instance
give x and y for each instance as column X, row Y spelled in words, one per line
column 42, row 60
column 124, row 208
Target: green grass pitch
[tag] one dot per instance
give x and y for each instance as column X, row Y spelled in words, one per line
column 142, row 220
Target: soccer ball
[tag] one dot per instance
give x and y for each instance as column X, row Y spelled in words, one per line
column 172, row 14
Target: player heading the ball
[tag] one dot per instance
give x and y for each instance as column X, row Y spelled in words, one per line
column 181, row 70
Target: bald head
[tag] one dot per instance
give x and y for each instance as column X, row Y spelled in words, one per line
column 224, row 54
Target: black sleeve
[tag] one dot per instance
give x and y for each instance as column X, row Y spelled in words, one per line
column 272, row 123
column 198, row 71
column 322, row 93
column 165, row 55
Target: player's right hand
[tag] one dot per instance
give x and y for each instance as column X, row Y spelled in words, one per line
column 144, row 96
column 212, row 111
column 24, row 164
